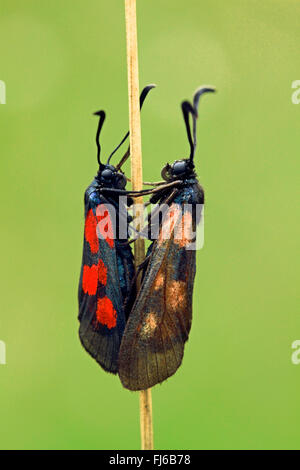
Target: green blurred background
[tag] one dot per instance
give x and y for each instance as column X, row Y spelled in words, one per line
column 63, row 60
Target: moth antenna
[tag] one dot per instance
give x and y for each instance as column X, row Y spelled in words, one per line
column 101, row 115
column 198, row 93
column 188, row 109
column 143, row 96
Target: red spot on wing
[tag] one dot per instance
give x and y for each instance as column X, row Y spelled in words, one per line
column 105, row 224
column 90, row 231
column 102, row 272
column 90, row 279
column 106, row 314
column 101, row 225
column 91, row 276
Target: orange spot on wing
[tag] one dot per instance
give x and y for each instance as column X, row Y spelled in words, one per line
column 151, row 320
column 184, row 230
column 106, row 314
column 176, row 295
column 170, row 218
column 90, row 232
column 159, row 281
column 150, row 324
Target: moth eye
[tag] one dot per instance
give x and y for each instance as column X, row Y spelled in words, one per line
column 107, row 174
column 121, row 181
column 179, row 167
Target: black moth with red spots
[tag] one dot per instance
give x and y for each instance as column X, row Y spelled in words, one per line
column 107, row 264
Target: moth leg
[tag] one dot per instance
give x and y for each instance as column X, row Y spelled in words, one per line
column 147, row 183
column 143, row 192
column 155, row 183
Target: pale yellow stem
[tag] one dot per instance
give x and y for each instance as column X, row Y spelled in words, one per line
column 137, row 184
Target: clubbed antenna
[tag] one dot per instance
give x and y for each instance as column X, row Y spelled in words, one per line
column 187, row 109
column 127, row 154
column 198, row 93
column 101, row 115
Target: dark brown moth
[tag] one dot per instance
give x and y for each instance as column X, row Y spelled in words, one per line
column 159, row 323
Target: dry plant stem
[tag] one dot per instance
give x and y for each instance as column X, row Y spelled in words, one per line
column 146, row 419
column 137, row 184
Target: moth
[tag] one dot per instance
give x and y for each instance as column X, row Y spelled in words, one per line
column 107, row 267
column 159, row 323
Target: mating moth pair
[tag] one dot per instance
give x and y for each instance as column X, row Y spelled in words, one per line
column 140, row 334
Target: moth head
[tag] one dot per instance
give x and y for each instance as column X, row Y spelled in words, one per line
column 109, row 177
column 180, row 169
